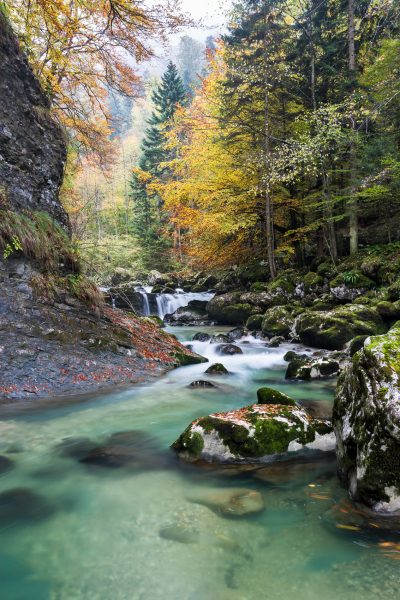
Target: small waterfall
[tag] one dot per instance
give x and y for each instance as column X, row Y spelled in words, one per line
column 144, row 291
column 167, row 304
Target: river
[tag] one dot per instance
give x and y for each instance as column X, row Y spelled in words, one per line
column 108, row 532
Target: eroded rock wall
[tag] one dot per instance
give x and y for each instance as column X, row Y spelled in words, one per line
column 32, row 144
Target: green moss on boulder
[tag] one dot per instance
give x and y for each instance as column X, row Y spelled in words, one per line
column 254, row 433
column 277, row 321
column 270, row 396
column 333, row 329
column 366, row 418
column 254, row 323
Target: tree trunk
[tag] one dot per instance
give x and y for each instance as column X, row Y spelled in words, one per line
column 353, row 208
column 269, row 209
column 328, row 218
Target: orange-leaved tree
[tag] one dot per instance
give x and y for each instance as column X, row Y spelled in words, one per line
column 80, row 49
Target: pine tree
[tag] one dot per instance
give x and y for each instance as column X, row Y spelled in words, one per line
column 148, row 217
column 166, row 98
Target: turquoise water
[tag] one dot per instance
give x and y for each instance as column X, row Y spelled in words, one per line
column 137, row 533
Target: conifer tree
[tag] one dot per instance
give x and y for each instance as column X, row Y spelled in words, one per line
column 148, row 215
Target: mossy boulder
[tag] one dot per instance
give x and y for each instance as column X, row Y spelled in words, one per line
column 356, row 344
column 183, row 359
column 270, row 396
column 333, row 329
column 217, row 369
column 366, row 418
column 312, row 281
column 228, row 309
column 350, row 285
column 253, row 434
column 307, row 369
column 277, row 320
column 389, row 311
column 254, row 323
column 393, row 291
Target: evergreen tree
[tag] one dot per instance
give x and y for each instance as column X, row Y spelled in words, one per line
column 191, row 62
column 148, row 217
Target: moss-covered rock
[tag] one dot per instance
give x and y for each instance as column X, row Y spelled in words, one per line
column 254, row 323
column 333, row 329
column 217, row 369
column 312, row 281
column 228, row 309
column 277, row 320
column 253, row 434
column 307, row 369
column 184, row 359
column 389, row 311
column 350, row 285
column 356, row 344
column 367, row 423
column 270, row 396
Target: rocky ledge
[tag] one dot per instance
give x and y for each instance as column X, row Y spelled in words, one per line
column 254, row 434
column 63, row 346
column 367, row 423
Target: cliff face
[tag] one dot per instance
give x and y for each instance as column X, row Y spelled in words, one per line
column 32, row 145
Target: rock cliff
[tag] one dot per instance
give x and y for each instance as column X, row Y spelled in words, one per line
column 32, row 144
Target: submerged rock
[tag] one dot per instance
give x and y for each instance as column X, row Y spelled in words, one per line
column 75, row 447
column 22, row 504
column 5, row 464
column 179, row 533
column 228, row 349
column 217, row 369
column 270, row 396
column 230, row 502
column 333, row 329
column 367, row 423
column 253, row 433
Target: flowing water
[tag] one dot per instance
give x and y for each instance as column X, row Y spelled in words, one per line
column 137, row 533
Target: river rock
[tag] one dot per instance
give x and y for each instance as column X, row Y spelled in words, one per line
column 254, row 323
column 5, row 464
column 291, row 355
column 230, row 502
column 253, row 433
column 228, row 349
column 185, row 316
column 306, row 369
column 333, row 329
column 236, row 334
column 277, row 321
column 76, row 448
column 179, row 533
column 220, row 338
column 367, row 423
column 201, row 337
column 202, row 384
column 228, row 309
column 23, row 504
column 275, row 342
column 269, row 396
column 217, row 369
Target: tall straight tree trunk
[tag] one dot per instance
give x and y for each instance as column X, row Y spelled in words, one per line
column 269, row 208
column 353, row 208
column 328, row 217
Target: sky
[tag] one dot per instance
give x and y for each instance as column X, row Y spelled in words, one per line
column 212, row 13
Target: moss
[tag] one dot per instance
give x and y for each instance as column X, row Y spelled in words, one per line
column 238, row 314
column 277, row 321
column 284, row 282
column 312, row 280
column 259, row 287
column 217, row 369
column 298, row 369
column 352, row 279
column 185, row 358
column 254, row 323
column 270, row 396
column 191, row 442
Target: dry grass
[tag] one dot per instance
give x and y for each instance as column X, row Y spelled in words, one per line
column 39, row 238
